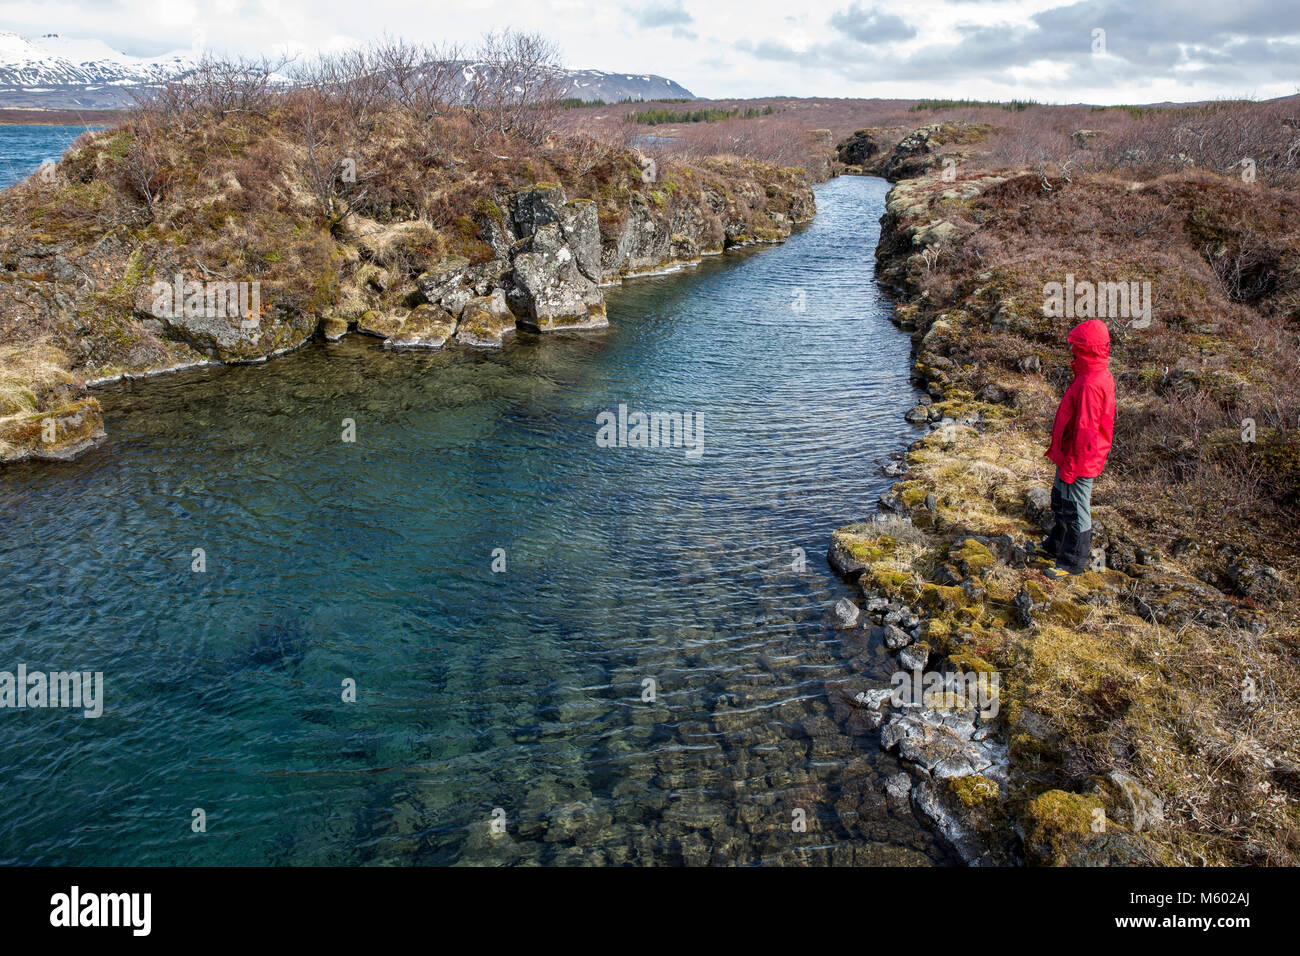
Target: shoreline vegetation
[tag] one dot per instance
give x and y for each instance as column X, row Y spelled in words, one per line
column 376, row 195
column 1147, row 709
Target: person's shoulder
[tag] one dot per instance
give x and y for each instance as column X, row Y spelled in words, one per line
column 1100, row 384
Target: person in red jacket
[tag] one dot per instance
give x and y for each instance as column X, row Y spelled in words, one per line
column 1081, row 437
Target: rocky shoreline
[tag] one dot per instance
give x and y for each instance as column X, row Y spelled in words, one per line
column 949, row 581
column 104, row 306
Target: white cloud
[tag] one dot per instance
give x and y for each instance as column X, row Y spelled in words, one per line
column 1157, row 49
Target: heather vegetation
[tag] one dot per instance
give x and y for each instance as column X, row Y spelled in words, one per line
column 333, row 184
column 1168, row 667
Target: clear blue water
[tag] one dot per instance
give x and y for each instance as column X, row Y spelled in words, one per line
column 24, row 148
column 476, row 690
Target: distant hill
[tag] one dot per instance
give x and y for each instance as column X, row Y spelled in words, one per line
column 54, row 72
column 594, row 85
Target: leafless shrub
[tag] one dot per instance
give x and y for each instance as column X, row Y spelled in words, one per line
column 213, row 89
column 584, row 153
column 515, row 86
column 144, row 169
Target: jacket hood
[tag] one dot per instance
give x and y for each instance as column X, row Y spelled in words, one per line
column 1090, row 342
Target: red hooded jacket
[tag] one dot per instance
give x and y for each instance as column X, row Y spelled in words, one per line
column 1085, row 419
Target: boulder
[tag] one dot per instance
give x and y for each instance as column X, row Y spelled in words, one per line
column 426, row 327
column 1255, row 580
column 897, row 788
column 937, row 742
column 896, row 638
column 857, row 149
column 1120, row 849
column 846, row 613
column 229, row 338
column 549, row 291
column 382, row 324
column 1133, row 804
column 485, row 321
column 60, row 433
column 530, row 209
column 333, row 328
column 1038, row 507
column 442, row 278
column 580, row 226
column 966, row 814
column 915, row 656
column 456, row 300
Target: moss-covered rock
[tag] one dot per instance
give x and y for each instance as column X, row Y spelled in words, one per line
column 1057, row 823
column 53, row 434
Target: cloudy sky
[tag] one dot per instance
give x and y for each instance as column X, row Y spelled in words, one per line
column 1101, row 51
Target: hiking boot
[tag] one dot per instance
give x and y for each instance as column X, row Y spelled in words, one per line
column 1075, row 553
column 1047, row 548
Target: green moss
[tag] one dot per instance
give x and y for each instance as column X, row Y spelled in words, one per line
column 943, row 597
column 1056, row 823
column 965, row 659
column 974, row 790
column 488, row 208
column 889, row 580
column 972, row 557
column 912, row 494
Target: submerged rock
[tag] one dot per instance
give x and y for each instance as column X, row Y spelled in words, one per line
column 915, row 656
column 897, row 789
column 896, row 638
column 427, row 327
column 846, row 613
column 966, row 814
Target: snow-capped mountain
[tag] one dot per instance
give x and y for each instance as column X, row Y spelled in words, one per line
column 61, row 73
column 55, row 72
column 613, row 87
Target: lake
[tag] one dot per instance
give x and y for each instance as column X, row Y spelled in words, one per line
column 24, row 148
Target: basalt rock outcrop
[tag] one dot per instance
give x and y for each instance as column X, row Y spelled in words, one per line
column 858, row 149
column 104, row 301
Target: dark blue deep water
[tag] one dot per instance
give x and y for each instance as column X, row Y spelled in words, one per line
column 24, row 148
column 477, row 691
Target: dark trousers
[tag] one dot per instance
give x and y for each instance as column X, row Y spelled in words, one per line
column 1070, row 540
